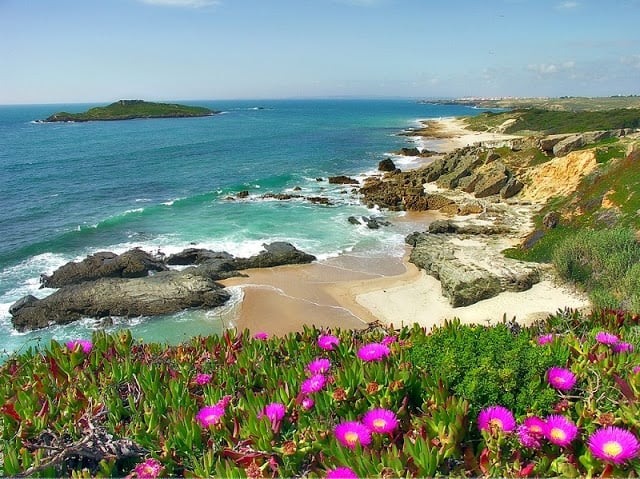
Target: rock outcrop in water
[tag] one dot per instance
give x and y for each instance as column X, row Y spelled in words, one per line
column 102, row 286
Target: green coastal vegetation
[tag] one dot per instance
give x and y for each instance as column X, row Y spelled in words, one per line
column 132, row 109
column 371, row 403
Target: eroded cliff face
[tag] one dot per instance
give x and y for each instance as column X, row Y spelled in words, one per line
column 558, row 177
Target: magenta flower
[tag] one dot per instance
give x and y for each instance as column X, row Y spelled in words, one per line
column 210, row 415
column 531, row 431
column 373, row 352
column 308, row 403
column 561, row 378
column 545, row 339
column 352, row 433
column 636, row 370
column 149, row 469
column 319, row 366
column 496, row 417
column 84, row 344
column 604, row 337
column 261, row 336
column 613, row 444
column 341, row 473
column 275, row 411
column 314, row 384
column 387, row 340
column 224, row 402
column 328, row 342
column 202, row 378
column 622, row 347
column 560, row 430
column 381, row 421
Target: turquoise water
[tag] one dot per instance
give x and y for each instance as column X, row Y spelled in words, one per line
column 71, row 189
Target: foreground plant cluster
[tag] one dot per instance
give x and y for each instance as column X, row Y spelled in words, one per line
column 558, row 398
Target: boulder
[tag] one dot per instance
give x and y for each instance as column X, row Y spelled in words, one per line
column 566, row 146
column 512, row 188
column 551, row 220
column 386, row 165
column 196, row 256
column 547, row 143
column 275, row 254
column 163, row 293
column 342, row 180
column 492, row 178
column 409, row 151
column 353, row 220
column 134, row 263
column 243, row 194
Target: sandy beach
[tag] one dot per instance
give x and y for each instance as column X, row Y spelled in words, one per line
column 349, row 292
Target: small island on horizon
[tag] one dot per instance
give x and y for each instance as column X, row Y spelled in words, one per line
column 132, row 109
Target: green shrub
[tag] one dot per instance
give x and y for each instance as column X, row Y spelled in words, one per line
column 603, row 263
column 490, row 365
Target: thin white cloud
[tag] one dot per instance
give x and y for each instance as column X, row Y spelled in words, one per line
column 545, row 69
column 182, row 3
column 568, row 5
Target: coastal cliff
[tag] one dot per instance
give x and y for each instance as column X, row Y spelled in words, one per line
column 132, row 109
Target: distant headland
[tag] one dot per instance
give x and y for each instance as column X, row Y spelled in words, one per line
column 132, row 109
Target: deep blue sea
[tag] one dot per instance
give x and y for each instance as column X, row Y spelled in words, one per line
column 72, row 189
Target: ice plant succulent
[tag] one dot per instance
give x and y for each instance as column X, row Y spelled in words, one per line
column 373, row 352
column 382, row 421
column 561, row 378
column 202, row 378
column 622, row 347
column 319, row 366
column 328, row 342
column 352, row 433
column 84, row 344
column 341, row 473
column 604, row 337
column 261, row 335
column 560, row 430
column 496, row 418
column 149, row 469
column 210, row 415
column 275, row 411
column 545, row 339
column 308, row 403
column 613, row 444
column 314, row 384
column 531, row 431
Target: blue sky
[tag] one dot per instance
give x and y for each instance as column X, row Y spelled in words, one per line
column 102, row 50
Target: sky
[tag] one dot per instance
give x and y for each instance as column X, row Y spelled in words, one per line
column 81, row 51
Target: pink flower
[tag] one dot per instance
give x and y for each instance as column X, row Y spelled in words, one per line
column 261, row 336
column 328, row 342
column 341, row 473
column 84, row 344
column 496, row 417
column 636, row 370
column 308, row 403
column 202, row 378
column 224, row 402
column 613, row 444
column 604, row 337
column 149, row 469
column 622, row 347
column 559, row 430
column 561, row 378
column 387, row 340
column 381, row 421
column 531, row 431
column 373, row 352
column 319, row 366
column 210, row 415
column 275, row 411
column 314, row 384
column 545, row 339
column 351, row 433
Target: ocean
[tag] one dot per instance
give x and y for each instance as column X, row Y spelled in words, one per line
column 72, row 189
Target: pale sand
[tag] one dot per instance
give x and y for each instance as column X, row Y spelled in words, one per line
column 349, row 292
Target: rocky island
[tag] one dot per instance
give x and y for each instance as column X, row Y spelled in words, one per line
column 132, row 109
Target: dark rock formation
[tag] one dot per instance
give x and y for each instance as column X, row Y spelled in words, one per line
column 512, row 188
column 163, row 293
column 551, row 220
column 275, row 254
column 342, row 180
column 386, row 165
column 134, row 263
column 197, row 256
